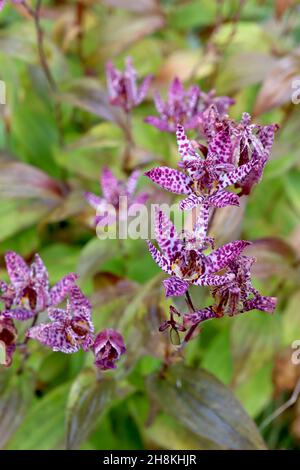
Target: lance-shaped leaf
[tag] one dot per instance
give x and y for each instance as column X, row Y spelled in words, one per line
column 87, row 94
column 87, row 401
column 15, row 396
column 202, row 404
column 43, row 426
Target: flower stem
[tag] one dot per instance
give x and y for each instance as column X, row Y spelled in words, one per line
column 189, row 301
column 129, row 145
column 23, row 347
column 35, row 13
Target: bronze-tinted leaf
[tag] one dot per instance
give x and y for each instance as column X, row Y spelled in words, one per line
column 121, row 31
column 277, row 88
column 20, row 180
column 274, row 256
column 15, row 396
column 89, row 95
column 87, row 400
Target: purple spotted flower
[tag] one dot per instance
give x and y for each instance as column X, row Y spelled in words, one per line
column 8, row 337
column 206, row 177
column 113, row 189
column 235, row 296
column 238, row 295
column 70, row 329
column 248, row 142
column 108, row 348
column 184, row 107
column 252, row 142
column 187, row 265
column 122, row 86
column 29, row 292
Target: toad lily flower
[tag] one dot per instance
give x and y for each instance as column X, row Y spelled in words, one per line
column 253, row 142
column 206, row 178
column 108, row 348
column 249, row 141
column 187, row 265
column 184, row 107
column 113, row 189
column 122, row 86
column 180, row 107
column 233, row 297
column 70, row 329
column 8, row 337
column 238, row 295
column 29, row 292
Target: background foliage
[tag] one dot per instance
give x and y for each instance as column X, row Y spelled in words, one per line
column 53, row 146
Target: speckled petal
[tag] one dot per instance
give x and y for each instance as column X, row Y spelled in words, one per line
column 175, row 287
column 21, row 314
column 220, row 148
column 201, row 225
column 223, row 198
column 190, row 202
column 81, row 305
column 17, row 269
column 161, row 124
column 54, row 335
column 213, row 280
column 159, row 259
column 221, row 257
column 185, row 147
column 166, row 235
column 159, row 103
column 109, row 185
column 59, row 292
column 39, row 273
column 265, row 304
column 96, row 202
column 228, row 179
column 58, row 314
column 170, row 179
column 143, row 89
column 132, row 182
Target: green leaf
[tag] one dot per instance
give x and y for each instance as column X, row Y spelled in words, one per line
column 219, row 364
column 204, row 406
column 88, row 399
column 256, row 392
column 95, row 253
column 43, row 426
column 255, row 338
column 19, row 215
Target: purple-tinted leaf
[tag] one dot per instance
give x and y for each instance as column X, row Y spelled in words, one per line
column 204, row 406
column 89, row 398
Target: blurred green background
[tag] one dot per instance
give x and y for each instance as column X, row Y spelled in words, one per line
column 54, row 143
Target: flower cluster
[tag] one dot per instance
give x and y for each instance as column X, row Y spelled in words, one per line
column 185, row 107
column 113, row 190
column 122, row 86
column 234, row 155
column 71, row 328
